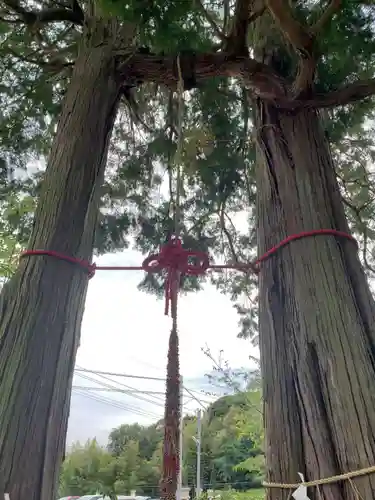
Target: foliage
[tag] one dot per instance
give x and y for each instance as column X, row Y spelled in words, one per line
column 16, row 207
column 90, row 468
column 231, row 453
column 218, row 157
column 229, row 379
column 84, row 469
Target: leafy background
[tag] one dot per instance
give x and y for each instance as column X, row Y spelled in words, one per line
column 231, row 453
column 218, row 159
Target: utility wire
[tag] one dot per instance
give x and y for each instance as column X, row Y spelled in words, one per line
column 125, row 375
column 131, row 392
column 119, row 405
column 135, row 391
column 125, row 391
column 155, row 399
column 128, row 387
column 110, row 388
column 195, row 398
column 113, row 374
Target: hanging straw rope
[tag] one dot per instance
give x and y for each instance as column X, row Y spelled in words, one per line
column 178, row 156
column 172, row 415
column 347, row 476
column 325, row 480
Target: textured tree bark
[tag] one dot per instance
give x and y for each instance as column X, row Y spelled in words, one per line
column 42, row 306
column 317, row 316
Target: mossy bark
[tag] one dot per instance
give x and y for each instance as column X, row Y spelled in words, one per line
column 317, row 316
column 42, row 306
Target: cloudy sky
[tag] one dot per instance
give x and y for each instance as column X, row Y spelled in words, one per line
column 125, row 331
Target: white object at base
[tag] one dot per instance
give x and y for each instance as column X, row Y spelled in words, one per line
column 6, row 496
column 301, row 491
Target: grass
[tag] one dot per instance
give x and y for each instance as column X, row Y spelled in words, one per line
column 256, row 494
column 252, row 494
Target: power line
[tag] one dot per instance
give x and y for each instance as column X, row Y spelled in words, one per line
column 111, row 388
column 123, row 390
column 157, row 398
column 102, row 374
column 195, row 398
column 131, row 391
column 144, row 363
column 128, row 387
column 119, row 405
column 124, row 375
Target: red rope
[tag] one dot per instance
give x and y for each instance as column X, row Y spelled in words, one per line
column 175, row 260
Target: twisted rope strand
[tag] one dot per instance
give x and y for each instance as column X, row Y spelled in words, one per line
column 326, row 480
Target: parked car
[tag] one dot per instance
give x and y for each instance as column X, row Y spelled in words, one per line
column 91, row 497
column 119, row 497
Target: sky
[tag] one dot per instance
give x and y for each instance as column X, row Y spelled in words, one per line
column 125, row 331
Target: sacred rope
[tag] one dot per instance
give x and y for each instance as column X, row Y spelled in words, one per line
column 176, row 261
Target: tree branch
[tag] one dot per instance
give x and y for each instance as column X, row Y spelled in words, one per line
column 245, row 12
column 226, row 15
column 260, row 80
column 53, row 15
column 257, row 12
column 32, row 17
column 352, row 92
column 326, row 17
column 357, row 214
column 218, row 32
column 224, row 228
column 26, row 16
column 137, row 68
column 301, row 40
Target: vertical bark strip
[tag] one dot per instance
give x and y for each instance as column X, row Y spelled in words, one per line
column 171, row 445
column 317, row 315
column 43, row 304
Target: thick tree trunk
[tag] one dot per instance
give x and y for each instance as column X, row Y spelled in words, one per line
column 317, row 316
column 42, row 306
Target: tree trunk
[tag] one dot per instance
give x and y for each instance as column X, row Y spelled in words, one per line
column 42, row 306
column 317, row 316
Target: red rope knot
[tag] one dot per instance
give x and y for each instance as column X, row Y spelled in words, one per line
column 175, row 260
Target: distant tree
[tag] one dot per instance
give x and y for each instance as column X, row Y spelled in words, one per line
column 148, row 438
column 231, row 452
column 83, row 468
column 224, row 377
column 233, row 441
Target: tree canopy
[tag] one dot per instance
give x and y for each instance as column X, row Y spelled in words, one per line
column 231, row 453
column 89, row 89
column 39, row 47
